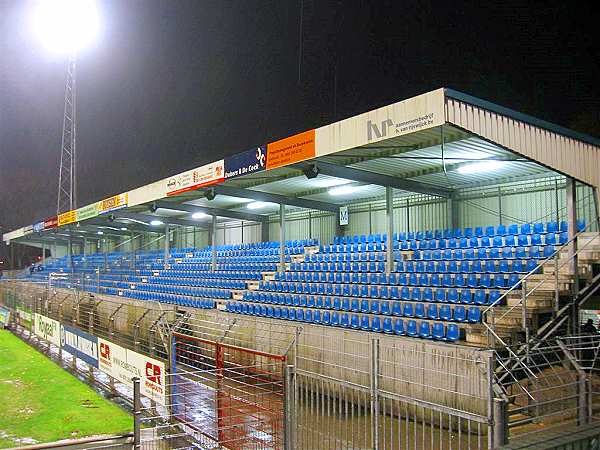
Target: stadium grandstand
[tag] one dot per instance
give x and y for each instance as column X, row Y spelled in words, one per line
column 411, row 277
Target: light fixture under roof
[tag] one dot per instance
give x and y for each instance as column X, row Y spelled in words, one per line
column 156, row 223
column 123, row 228
column 329, row 182
column 199, row 215
column 258, row 205
column 100, row 233
column 481, row 167
column 346, row 189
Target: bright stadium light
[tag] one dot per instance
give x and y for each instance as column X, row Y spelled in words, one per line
column 156, row 223
column 123, row 228
column 100, row 233
column 345, row 190
column 330, row 182
column 199, row 215
column 480, row 167
column 66, row 26
column 258, row 205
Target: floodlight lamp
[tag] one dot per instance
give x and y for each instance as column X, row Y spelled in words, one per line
column 156, row 223
column 199, row 215
column 66, row 26
column 257, row 205
column 345, row 190
column 482, row 167
column 123, row 228
column 100, row 233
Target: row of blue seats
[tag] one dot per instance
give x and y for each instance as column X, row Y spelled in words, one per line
column 217, row 275
column 188, row 264
column 254, row 253
column 416, row 294
column 264, row 267
column 174, row 290
column 523, row 240
column 484, row 253
column 412, row 327
column 172, row 299
column 394, row 279
column 489, row 231
column 195, row 282
column 409, row 266
column 412, row 293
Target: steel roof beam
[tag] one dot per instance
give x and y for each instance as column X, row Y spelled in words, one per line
column 377, row 179
column 220, row 212
column 276, row 198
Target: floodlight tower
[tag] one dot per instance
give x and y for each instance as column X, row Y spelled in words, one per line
column 65, row 27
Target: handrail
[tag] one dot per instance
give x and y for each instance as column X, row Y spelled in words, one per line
column 544, row 261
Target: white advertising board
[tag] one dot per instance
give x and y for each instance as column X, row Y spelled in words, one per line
column 47, row 329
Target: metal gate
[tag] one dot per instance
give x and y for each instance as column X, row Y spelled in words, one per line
column 228, row 396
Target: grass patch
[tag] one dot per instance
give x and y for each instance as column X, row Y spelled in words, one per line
column 41, row 401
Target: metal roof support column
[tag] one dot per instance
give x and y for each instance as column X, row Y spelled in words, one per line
column 85, row 263
column 500, row 205
column 70, row 252
column 450, row 215
column 571, row 191
column 213, row 243
column 43, row 252
column 281, row 237
column 167, row 233
column 264, row 231
column 389, row 210
column 104, row 245
column 596, row 193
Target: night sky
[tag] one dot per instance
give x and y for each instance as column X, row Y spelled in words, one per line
column 174, row 84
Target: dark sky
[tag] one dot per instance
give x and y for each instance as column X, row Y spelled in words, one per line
column 172, row 84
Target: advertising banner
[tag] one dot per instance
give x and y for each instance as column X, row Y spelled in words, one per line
column 196, row 178
column 4, row 316
column 66, row 218
column 246, row 162
column 46, row 328
column 112, row 203
column 80, row 344
column 123, row 365
column 87, row 212
column 291, row 150
column 38, row 226
column 24, row 317
column 51, row 222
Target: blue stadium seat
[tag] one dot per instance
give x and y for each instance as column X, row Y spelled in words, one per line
column 420, row 310
column 399, row 327
column 438, row 332
column 452, row 333
column 551, row 227
column 408, row 310
column 452, row 295
column 445, row 312
column 538, row 228
column 355, row 322
column 474, row 314
column 388, row 326
column 376, row 324
column 432, row 311
column 411, row 328
column 513, row 229
column 480, row 298
column 460, row 314
column 397, row 309
column 365, row 323
column 466, row 296
column 425, row 330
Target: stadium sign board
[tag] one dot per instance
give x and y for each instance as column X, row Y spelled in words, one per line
column 4, row 316
column 47, row 329
column 250, row 161
column 67, row 218
column 38, row 226
column 87, row 212
column 291, row 150
column 51, row 222
column 80, row 344
column 123, row 365
column 206, row 175
column 112, row 203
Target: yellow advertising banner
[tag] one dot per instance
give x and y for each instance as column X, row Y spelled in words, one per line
column 112, row 203
column 66, row 218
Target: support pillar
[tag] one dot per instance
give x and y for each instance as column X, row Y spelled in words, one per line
column 85, row 263
column 43, row 253
column 70, row 252
column 264, row 231
column 281, row 237
column 213, row 239
column 389, row 212
column 167, row 235
column 571, row 191
column 500, row 417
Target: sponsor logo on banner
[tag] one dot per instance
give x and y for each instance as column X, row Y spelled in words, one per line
column 38, row 226
column 196, row 178
column 28, row 229
column 79, row 343
column 87, row 212
column 46, row 328
column 66, row 218
column 123, row 365
column 51, row 222
column 246, row 162
column 291, row 150
column 343, row 215
column 112, row 203
column 4, row 316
